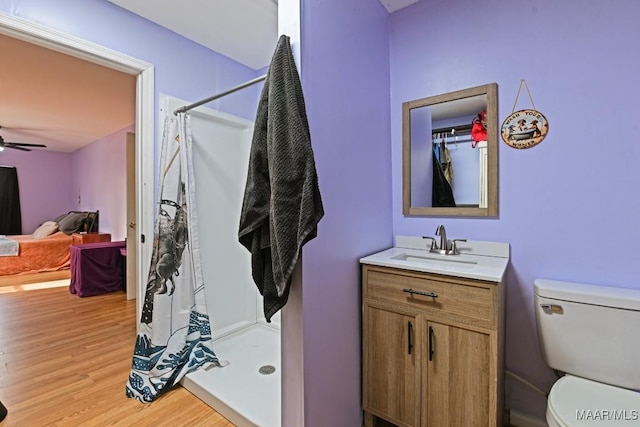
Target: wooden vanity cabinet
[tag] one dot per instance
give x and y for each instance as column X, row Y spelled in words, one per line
column 391, row 364
column 431, row 360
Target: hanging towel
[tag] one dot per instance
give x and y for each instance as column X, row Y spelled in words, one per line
column 282, row 205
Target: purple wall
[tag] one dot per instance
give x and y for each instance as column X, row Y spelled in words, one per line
column 568, row 206
column 100, row 181
column 44, row 178
column 91, row 178
column 345, row 62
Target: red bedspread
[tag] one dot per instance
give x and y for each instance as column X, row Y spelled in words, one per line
column 48, row 254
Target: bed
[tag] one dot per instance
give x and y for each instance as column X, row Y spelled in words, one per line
column 47, row 248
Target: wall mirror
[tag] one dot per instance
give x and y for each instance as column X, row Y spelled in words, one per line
column 446, row 172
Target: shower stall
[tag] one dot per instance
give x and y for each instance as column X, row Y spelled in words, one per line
column 247, row 390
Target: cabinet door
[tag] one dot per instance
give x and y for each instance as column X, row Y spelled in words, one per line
column 456, row 383
column 391, row 370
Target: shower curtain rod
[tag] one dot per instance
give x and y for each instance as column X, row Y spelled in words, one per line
column 220, row 95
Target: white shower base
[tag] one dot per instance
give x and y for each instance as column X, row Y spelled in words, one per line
column 238, row 391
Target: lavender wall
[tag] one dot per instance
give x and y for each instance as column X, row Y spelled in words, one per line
column 568, row 207
column 44, row 178
column 91, row 178
column 100, row 181
column 345, row 62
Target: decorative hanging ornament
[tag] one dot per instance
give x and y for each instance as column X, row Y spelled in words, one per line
column 524, row 128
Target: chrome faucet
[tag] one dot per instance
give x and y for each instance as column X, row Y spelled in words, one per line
column 444, row 243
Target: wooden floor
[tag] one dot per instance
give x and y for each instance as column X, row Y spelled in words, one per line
column 64, row 361
column 21, row 279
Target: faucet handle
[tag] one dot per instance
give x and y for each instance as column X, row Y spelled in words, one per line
column 434, row 245
column 454, row 247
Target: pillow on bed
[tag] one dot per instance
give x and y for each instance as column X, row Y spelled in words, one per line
column 60, row 218
column 46, row 229
column 72, row 222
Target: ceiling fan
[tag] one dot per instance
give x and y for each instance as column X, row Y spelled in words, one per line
column 18, row 145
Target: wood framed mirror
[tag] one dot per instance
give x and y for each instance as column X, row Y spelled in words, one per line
column 445, row 170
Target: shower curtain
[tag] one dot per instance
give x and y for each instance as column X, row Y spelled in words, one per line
column 174, row 334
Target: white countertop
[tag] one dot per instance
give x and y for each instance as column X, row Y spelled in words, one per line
column 478, row 260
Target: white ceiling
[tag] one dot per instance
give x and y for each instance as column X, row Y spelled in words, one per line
column 458, row 108
column 243, row 30
column 393, row 5
column 66, row 103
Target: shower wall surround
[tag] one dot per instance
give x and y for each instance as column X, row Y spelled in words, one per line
column 240, row 333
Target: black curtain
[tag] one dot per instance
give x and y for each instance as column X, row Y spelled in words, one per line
column 10, row 216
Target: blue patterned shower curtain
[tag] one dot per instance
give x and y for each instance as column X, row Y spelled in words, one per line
column 174, row 334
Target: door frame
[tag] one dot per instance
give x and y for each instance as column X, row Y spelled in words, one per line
column 145, row 99
column 131, row 236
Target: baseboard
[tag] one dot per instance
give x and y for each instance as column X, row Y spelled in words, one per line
column 521, row 420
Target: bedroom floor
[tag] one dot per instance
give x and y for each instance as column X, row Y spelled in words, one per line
column 64, row 361
column 23, row 279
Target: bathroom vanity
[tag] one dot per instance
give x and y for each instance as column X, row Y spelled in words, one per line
column 433, row 334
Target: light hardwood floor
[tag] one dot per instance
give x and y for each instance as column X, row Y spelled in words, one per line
column 64, row 361
column 21, row 279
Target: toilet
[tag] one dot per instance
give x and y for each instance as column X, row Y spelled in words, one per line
column 592, row 334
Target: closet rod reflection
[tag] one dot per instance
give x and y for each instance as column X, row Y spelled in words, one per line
column 462, row 141
column 220, row 95
column 458, row 129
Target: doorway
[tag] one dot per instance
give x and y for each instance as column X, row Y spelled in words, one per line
column 144, row 139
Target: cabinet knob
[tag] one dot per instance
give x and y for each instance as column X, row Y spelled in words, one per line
column 132, row 224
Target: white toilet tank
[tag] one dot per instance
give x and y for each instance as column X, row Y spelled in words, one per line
column 590, row 331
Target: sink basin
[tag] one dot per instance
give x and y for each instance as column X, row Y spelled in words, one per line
column 477, row 259
column 435, row 259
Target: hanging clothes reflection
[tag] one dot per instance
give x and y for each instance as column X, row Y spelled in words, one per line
column 442, row 192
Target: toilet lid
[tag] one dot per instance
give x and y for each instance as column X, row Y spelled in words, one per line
column 574, row 401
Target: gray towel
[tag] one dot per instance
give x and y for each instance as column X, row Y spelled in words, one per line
column 282, row 205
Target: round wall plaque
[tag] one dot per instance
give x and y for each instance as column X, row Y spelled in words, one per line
column 524, row 128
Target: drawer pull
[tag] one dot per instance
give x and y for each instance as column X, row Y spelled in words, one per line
column 424, row 294
column 430, row 343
